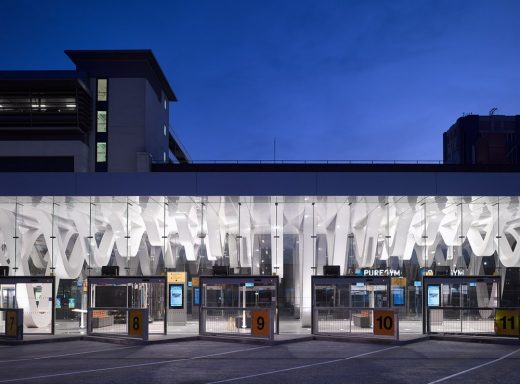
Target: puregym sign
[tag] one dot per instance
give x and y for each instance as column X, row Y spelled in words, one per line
column 381, row 272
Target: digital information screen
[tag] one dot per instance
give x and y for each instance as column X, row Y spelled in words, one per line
column 398, row 295
column 196, row 296
column 176, row 296
column 434, row 295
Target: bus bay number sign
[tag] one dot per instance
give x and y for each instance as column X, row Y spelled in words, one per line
column 384, row 323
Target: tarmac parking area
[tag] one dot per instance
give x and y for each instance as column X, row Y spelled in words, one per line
column 221, row 362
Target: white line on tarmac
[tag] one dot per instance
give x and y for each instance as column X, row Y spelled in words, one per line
column 302, row 366
column 472, row 369
column 129, row 366
column 66, row 354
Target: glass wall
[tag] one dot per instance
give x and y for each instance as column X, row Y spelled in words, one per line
column 292, row 236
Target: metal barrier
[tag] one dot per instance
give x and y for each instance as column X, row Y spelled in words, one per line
column 118, row 322
column 258, row 322
column 11, row 323
column 472, row 321
column 350, row 321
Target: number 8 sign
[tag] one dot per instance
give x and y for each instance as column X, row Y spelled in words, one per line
column 135, row 323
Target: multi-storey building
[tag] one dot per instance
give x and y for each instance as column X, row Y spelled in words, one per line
column 474, row 139
column 109, row 114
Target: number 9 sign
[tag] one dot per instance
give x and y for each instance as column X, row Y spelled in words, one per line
column 260, row 321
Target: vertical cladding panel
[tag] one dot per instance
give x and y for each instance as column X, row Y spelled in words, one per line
column 126, row 123
column 156, row 143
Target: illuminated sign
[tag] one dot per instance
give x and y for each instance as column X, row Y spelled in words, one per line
column 381, row 272
column 176, row 296
column 434, row 295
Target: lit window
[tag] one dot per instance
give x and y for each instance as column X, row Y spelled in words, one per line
column 165, row 104
column 101, row 152
column 164, row 157
column 165, row 129
column 101, row 121
column 102, row 90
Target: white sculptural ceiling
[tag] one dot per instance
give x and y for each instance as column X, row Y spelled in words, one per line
column 65, row 234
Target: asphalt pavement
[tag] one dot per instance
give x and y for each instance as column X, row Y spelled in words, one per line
column 329, row 362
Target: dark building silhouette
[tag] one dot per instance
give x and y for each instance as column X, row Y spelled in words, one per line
column 475, row 139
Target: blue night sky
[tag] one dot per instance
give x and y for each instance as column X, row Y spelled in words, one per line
column 331, row 80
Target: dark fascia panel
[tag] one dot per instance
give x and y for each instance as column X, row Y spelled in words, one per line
column 14, row 80
column 123, row 63
column 39, row 75
column 236, row 166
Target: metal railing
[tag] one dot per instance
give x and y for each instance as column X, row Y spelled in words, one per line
column 349, row 321
column 461, row 320
column 246, row 161
column 240, row 322
column 118, row 322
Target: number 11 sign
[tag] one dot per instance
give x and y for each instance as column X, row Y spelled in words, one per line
column 506, row 322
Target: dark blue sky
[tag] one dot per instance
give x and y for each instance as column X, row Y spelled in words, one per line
column 332, row 80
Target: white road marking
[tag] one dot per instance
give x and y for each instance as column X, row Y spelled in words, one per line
column 472, row 369
column 128, row 366
column 302, row 366
column 66, row 354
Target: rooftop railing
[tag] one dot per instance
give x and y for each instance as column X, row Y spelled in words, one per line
column 311, row 162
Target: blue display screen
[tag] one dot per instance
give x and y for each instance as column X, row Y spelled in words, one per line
column 434, row 295
column 176, row 296
column 196, row 296
column 250, row 285
column 398, row 296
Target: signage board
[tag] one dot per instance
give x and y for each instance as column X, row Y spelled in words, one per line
column 176, row 277
column 135, row 323
column 11, row 323
column 260, row 323
column 384, row 323
column 506, row 322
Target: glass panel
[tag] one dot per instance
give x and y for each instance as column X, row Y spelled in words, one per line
column 102, row 90
column 101, row 152
column 101, row 121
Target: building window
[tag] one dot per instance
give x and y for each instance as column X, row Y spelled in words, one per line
column 165, row 104
column 101, row 152
column 101, row 121
column 102, row 89
column 165, row 130
column 164, row 157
